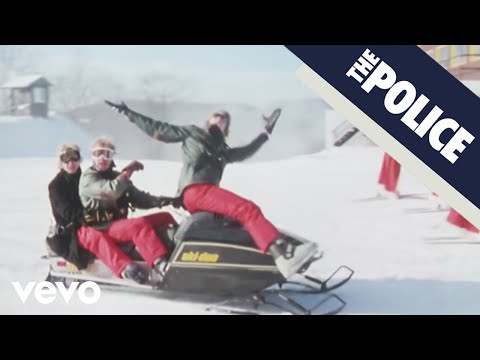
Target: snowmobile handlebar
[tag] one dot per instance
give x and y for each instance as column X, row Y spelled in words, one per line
column 163, row 201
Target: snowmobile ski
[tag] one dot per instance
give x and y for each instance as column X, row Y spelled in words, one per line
column 292, row 298
column 412, row 196
column 425, row 210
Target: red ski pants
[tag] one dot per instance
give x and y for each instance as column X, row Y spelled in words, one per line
column 211, row 198
column 140, row 230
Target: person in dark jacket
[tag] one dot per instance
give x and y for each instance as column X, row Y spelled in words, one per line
column 74, row 239
column 67, row 209
column 106, row 196
column 205, row 155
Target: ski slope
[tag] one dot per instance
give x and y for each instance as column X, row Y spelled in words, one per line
column 316, row 196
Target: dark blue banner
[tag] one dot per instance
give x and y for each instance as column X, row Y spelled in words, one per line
column 411, row 97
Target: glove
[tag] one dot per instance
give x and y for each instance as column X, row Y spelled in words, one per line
column 162, row 201
column 120, row 108
column 271, row 120
column 133, row 166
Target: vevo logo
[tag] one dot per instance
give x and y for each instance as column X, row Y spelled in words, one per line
column 46, row 292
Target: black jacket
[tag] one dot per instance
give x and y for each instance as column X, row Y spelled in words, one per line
column 67, row 210
column 65, row 201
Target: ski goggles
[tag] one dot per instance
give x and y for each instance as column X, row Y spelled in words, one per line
column 103, row 153
column 70, row 155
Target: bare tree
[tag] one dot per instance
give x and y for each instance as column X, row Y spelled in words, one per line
column 14, row 60
column 81, row 83
column 72, row 88
column 161, row 87
column 159, row 90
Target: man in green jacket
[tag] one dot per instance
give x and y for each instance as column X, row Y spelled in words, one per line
column 205, row 155
column 107, row 195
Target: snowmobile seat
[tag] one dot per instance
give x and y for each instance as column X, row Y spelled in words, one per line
column 205, row 226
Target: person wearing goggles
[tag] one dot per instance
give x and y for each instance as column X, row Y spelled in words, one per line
column 103, row 153
column 205, row 156
column 70, row 235
column 70, row 154
column 107, row 195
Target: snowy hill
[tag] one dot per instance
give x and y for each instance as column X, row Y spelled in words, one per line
column 316, row 196
column 26, row 136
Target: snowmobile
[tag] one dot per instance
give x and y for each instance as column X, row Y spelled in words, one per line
column 215, row 256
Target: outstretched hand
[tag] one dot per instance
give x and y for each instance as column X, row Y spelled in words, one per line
column 271, row 120
column 121, row 108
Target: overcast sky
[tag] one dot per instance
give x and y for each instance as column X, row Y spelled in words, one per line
column 220, row 73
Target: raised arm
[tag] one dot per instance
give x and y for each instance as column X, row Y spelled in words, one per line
column 244, row 152
column 157, row 129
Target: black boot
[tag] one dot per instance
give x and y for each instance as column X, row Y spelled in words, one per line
column 290, row 258
column 281, row 247
column 136, row 273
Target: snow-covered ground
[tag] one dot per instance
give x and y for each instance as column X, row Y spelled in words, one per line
column 316, row 196
column 27, row 136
